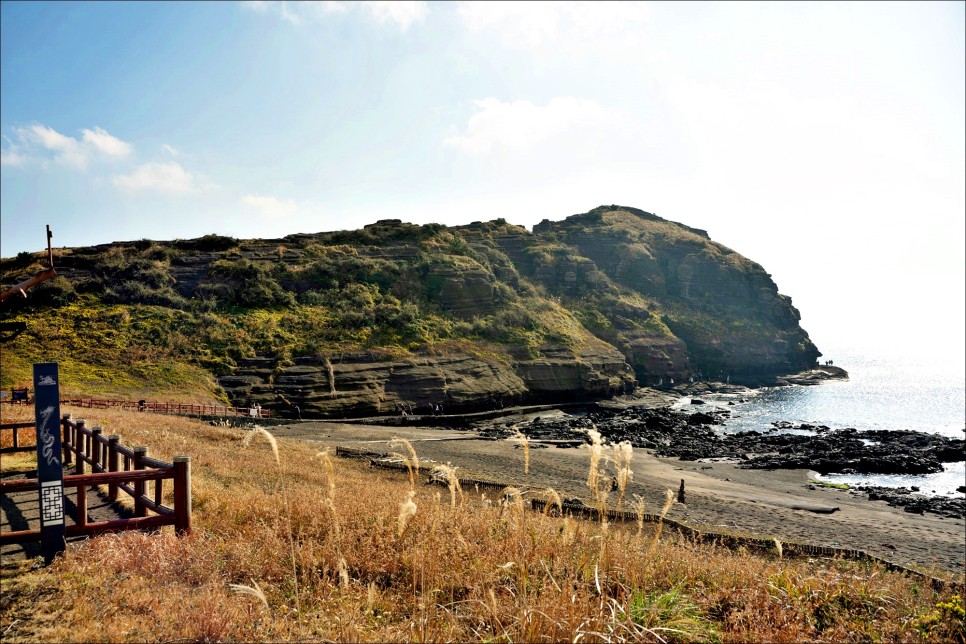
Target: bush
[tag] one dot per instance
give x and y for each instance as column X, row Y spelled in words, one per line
column 251, row 285
column 208, row 243
column 56, row 292
column 135, row 292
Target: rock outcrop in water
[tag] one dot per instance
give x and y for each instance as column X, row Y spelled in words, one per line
column 398, row 316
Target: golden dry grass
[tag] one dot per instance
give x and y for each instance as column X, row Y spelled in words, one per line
column 376, row 559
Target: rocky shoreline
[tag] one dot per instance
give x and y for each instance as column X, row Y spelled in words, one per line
column 692, row 437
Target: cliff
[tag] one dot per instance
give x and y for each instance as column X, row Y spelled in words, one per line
column 399, row 316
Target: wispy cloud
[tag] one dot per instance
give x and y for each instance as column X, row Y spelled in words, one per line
column 401, row 14
column 520, row 126
column 106, row 143
column 41, row 143
column 532, row 25
column 168, row 177
column 271, row 207
column 11, row 154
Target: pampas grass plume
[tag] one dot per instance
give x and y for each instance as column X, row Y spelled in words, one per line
column 343, row 573
column 525, row 442
column 596, row 452
column 451, row 481
column 623, row 454
column 553, row 499
column 409, row 467
column 329, row 470
column 668, row 502
column 261, row 431
column 514, row 498
column 412, row 452
column 252, row 591
column 407, row 509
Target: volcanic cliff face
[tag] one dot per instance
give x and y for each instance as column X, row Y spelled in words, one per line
column 725, row 308
column 399, row 317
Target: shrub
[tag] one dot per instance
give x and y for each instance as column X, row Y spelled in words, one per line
column 208, row 243
column 251, row 284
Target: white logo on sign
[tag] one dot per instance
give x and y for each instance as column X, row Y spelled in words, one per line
column 46, row 437
column 46, row 381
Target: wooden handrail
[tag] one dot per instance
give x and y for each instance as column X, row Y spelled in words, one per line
column 192, row 409
column 88, row 480
column 15, row 428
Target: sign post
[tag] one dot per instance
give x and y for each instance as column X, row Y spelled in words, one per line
column 50, row 470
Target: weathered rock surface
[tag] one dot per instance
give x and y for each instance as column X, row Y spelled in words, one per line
column 365, row 384
column 725, row 308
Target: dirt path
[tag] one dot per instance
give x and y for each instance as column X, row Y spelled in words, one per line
column 719, row 496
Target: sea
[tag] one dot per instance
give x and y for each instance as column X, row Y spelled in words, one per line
column 883, row 391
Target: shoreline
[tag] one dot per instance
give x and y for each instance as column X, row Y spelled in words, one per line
column 779, row 504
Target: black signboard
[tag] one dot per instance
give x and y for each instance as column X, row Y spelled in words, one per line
column 50, row 470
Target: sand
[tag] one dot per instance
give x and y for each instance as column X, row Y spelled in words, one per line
column 718, row 496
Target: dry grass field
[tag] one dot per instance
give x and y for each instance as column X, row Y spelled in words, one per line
column 291, row 544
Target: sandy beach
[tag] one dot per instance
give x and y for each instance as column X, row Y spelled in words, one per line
column 720, row 497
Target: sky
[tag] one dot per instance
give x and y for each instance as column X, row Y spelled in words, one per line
column 825, row 141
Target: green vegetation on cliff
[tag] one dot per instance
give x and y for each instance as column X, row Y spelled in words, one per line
column 628, row 295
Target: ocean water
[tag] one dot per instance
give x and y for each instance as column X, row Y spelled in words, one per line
column 883, row 392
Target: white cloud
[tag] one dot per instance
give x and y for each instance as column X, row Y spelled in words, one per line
column 532, row 25
column 106, row 143
column 519, row 126
column 68, row 151
column 328, row 7
column 168, row 177
column 271, row 207
column 169, row 150
column 11, row 155
column 402, row 14
column 38, row 141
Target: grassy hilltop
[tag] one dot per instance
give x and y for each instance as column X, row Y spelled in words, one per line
column 471, row 315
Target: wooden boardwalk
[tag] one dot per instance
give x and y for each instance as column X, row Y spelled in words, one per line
column 21, row 511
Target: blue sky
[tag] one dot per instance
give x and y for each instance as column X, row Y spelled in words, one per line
column 824, row 140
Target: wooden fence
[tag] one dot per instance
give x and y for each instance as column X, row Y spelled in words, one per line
column 17, row 442
column 183, row 409
column 121, row 469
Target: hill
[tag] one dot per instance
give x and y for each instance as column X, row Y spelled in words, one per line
column 398, row 316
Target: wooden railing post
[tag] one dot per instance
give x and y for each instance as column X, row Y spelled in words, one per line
column 67, row 440
column 139, row 509
column 96, row 464
column 182, row 494
column 81, row 517
column 79, row 444
column 112, row 442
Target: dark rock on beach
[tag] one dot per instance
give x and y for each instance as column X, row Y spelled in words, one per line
column 692, row 437
column 908, row 500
